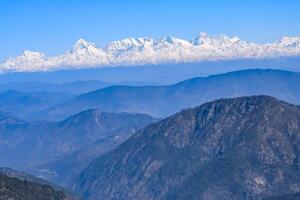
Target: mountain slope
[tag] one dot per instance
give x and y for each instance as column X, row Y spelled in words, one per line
column 48, row 149
column 241, row 148
column 22, row 176
column 155, row 100
column 13, row 188
column 141, row 51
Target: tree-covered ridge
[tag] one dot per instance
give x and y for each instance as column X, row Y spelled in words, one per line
column 15, row 189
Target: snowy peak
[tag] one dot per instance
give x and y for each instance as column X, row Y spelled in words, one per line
column 127, row 45
column 83, row 47
column 141, row 51
column 203, row 39
column 289, row 42
column 28, row 53
column 33, row 59
column 170, row 40
column 82, row 44
column 82, row 54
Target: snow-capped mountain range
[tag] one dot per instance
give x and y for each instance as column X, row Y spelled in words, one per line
column 142, row 51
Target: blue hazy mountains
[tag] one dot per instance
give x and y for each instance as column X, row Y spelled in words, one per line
column 60, row 150
column 110, row 141
column 161, row 101
column 152, row 100
column 24, row 103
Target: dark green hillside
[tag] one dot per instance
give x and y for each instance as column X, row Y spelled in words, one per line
column 15, row 189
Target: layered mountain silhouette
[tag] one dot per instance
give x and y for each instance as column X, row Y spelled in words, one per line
column 71, row 87
column 58, row 150
column 74, row 87
column 23, row 104
column 161, row 101
column 239, row 148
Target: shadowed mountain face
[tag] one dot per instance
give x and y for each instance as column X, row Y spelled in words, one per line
column 162, row 101
column 58, row 150
column 241, row 148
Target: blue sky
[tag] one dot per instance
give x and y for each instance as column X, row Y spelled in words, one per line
column 53, row 26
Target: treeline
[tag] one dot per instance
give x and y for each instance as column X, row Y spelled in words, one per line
column 15, row 189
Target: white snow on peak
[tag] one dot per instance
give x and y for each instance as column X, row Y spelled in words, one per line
column 33, row 59
column 141, row 51
column 82, row 54
column 289, row 42
column 32, row 53
column 81, row 44
column 220, row 41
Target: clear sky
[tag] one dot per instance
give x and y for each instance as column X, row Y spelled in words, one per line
column 52, row 26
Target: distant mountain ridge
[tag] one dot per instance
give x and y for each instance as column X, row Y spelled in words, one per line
column 74, row 87
column 161, row 101
column 143, row 51
column 59, row 150
column 229, row 149
column 22, row 104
